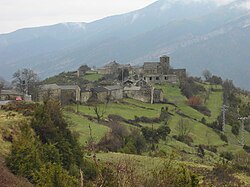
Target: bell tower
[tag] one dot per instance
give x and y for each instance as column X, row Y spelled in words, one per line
column 165, row 64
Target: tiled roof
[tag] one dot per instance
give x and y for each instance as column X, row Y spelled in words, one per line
column 114, row 87
column 69, row 87
column 99, row 89
column 10, row 92
column 50, row 87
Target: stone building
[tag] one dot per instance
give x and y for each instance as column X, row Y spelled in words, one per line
column 99, row 94
column 159, row 79
column 161, row 72
column 85, row 95
column 144, row 94
column 50, row 91
column 66, row 94
column 10, row 95
column 70, row 94
column 114, row 67
column 115, row 92
column 138, row 93
column 82, row 70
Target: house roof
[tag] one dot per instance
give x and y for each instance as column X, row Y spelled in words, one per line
column 50, row 87
column 151, row 65
column 114, row 87
column 10, row 92
column 99, row 89
column 69, row 87
column 132, row 88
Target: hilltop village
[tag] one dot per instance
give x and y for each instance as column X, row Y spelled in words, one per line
column 121, row 81
column 116, row 81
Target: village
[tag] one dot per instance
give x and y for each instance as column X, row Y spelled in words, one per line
column 133, row 82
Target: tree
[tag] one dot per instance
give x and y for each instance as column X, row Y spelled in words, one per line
column 207, row 74
column 99, row 112
column 26, row 81
column 183, row 128
column 1, row 83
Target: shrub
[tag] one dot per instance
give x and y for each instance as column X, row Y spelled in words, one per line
column 201, row 151
column 246, row 148
column 223, row 137
column 227, row 155
column 236, row 130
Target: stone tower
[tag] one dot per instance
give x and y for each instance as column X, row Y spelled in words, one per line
column 165, row 64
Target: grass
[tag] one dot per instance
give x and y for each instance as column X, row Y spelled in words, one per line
column 92, row 76
column 81, row 125
column 6, row 126
column 214, row 104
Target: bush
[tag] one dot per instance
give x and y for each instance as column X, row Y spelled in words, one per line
column 185, row 139
column 236, row 130
column 227, row 155
column 246, row 148
column 201, row 151
column 223, row 137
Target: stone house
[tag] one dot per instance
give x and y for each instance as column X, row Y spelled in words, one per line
column 51, row 91
column 70, row 94
column 159, row 79
column 114, row 92
column 144, row 94
column 138, row 93
column 85, row 95
column 161, row 72
column 99, row 94
column 82, row 70
column 109, row 68
column 10, row 95
column 158, row 96
column 114, row 67
column 66, row 94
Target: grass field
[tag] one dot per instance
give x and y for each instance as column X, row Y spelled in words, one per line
column 7, row 125
column 92, row 76
column 82, row 126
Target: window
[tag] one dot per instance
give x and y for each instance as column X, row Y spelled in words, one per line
column 150, row 78
column 157, row 78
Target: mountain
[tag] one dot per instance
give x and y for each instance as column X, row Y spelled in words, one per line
column 197, row 35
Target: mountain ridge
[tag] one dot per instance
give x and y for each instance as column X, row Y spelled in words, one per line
column 137, row 36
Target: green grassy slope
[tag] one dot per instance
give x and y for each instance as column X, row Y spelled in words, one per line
column 82, row 126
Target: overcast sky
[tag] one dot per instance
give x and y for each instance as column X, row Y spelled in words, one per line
column 16, row 14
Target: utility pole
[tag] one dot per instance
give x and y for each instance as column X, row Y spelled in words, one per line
column 243, row 119
column 224, row 109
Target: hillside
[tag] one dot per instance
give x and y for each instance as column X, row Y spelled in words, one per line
column 202, row 151
column 198, row 35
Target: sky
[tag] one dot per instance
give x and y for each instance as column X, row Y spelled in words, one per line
column 16, row 14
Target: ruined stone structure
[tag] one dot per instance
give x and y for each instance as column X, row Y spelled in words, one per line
column 114, row 67
column 161, row 72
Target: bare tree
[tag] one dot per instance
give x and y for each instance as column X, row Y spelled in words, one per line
column 100, row 111
column 2, row 81
column 183, row 128
column 26, row 81
column 207, row 74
